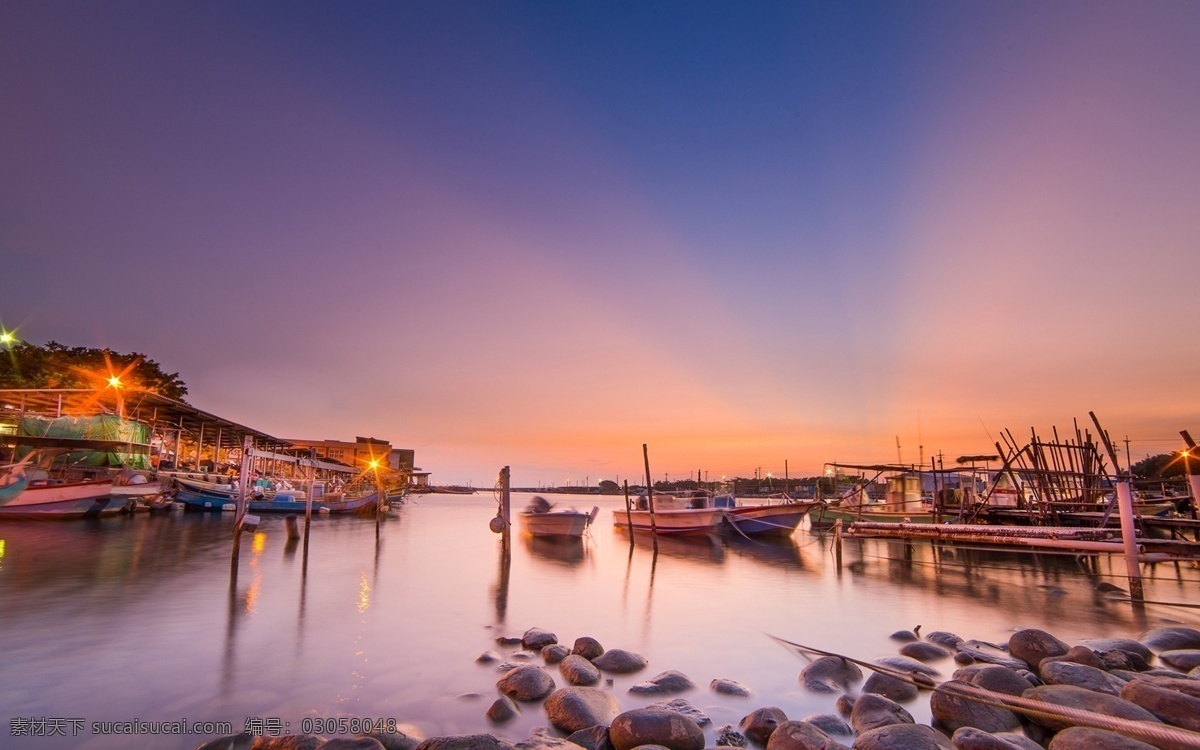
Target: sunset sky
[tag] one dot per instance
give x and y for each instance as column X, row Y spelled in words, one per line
column 543, row 234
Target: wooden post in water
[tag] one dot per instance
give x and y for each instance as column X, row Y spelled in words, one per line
column 650, row 497
column 506, row 504
column 1125, row 506
column 312, row 480
column 241, row 504
column 628, row 513
column 837, row 543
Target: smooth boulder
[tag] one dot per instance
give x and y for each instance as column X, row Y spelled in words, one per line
column 729, row 687
column 902, row 737
column 1090, row 738
column 890, row 687
column 652, row 726
column 1171, row 638
column 1032, row 646
column 466, row 742
column 759, row 724
column 664, row 683
column 1171, row 706
column 685, row 707
column 572, row 709
column 970, row 738
column 352, row 743
column 555, row 653
column 526, row 683
column 830, row 674
column 952, row 710
column 800, row 735
column 592, row 738
column 577, row 670
column 925, row 652
column 536, row 639
column 1070, row 696
column 873, row 711
column 587, row 647
column 620, row 661
column 1181, row 658
column 1089, row 678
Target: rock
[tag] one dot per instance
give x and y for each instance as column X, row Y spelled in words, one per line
column 1128, row 645
column 573, row 709
column 684, row 707
column 1088, row 738
column 830, row 674
column 577, row 670
column 890, row 687
column 1116, row 659
column 592, row 738
column 1032, row 646
column 543, row 740
column 904, row 636
column 998, row 679
column 664, row 683
column 507, row 666
column 963, row 658
column 1090, row 678
column 902, row 737
column 908, row 665
column 502, row 710
column 1081, row 655
column 587, row 647
column 620, row 661
column 356, row 743
column 1182, row 658
column 760, row 723
column 1171, row 638
column 536, row 639
column 922, row 651
column 874, row 711
column 523, row 656
column 1171, row 706
column 1077, row 697
column 942, row 638
column 729, row 687
column 830, row 724
column 951, row 710
column 229, row 742
column 469, row 696
column 970, row 738
column 487, row 657
column 465, row 742
column 526, row 683
column 1175, row 681
column 727, row 736
column 404, row 738
column 800, row 735
column 644, row 726
column 509, row 640
column 845, row 704
column 991, row 654
column 290, row 742
column 554, row 653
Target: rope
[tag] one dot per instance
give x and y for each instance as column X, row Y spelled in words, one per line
column 1164, row 735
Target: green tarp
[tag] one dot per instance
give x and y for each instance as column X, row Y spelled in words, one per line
column 103, row 427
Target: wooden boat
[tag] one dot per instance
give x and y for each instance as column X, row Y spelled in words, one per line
column 679, row 514
column 769, row 519
column 224, row 498
column 903, row 505
column 540, row 519
column 13, row 483
column 49, row 499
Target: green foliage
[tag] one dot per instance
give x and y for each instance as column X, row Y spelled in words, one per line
column 1163, row 466
column 54, row 365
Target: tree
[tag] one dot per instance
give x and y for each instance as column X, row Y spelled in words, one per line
column 1163, row 466
column 58, row 366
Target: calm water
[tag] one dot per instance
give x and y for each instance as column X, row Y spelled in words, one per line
column 136, row 618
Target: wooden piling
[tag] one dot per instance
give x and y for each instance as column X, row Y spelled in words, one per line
column 628, row 513
column 1128, row 534
column 649, row 497
column 506, row 505
column 241, row 504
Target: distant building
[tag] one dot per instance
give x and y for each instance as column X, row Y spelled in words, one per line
column 358, row 453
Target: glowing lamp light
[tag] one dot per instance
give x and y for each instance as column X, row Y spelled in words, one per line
column 374, row 463
column 114, row 381
column 7, row 338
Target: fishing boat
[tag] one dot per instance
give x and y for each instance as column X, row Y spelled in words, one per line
column 48, row 498
column 541, row 519
column 780, row 518
column 903, row 504
column 679, row 514
column 12, row 483
column 222, row 497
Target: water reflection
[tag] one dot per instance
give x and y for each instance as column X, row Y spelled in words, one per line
column 569, row 551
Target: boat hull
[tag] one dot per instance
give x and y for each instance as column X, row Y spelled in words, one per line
column 555, row 523
column 779, row 520
column 672, row 522
column 88, row 499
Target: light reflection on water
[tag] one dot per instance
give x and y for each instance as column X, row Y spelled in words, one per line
column 138, row 617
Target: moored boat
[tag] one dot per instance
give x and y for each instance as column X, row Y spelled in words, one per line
column 678, row 514
column 45, row 498
column 540, row 519
column 769, row 519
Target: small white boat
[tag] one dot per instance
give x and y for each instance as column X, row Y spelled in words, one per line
column 678, row 514
column 47, row 498
column 540, row 519
column 769, row 519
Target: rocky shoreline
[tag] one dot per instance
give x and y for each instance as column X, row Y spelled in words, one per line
column 1035, row 691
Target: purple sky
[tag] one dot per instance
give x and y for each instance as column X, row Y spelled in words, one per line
column 542, row 234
